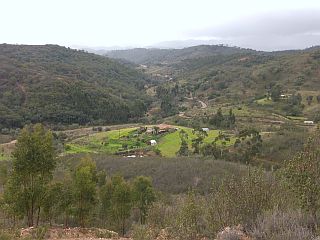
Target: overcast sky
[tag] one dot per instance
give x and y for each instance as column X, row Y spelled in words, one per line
column 258, row 24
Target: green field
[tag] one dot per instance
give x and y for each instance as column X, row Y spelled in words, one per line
column 124, row 139
column 108, row 142
column 297, row 118
column 170, row 143
column 264, row 101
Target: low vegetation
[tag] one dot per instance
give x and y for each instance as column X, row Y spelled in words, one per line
column 181, row 198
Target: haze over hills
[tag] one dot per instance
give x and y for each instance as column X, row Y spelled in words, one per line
column 156, row 55
column 55, row 84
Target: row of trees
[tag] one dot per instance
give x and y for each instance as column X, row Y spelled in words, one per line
column 35, row 193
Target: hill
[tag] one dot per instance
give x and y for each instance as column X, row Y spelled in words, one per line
column 55, row 84
column 155, row 55
column 221, row 75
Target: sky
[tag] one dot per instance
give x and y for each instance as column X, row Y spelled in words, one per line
column 258, row 24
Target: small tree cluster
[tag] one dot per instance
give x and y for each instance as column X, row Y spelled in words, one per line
column 184, row 148
column 80, row 196
column 223, row 121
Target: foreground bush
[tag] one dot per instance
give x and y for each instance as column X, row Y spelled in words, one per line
column 278, row 225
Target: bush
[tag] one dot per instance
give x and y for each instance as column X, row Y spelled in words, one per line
column 143, row 232
column 279, row 225
column 5, row 236
column 239, row 201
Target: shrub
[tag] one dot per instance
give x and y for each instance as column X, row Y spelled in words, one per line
column 239, row 201
column 5, row 236
column 143, row 232
column 279, row 225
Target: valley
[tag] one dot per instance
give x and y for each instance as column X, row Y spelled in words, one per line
column 137, row 140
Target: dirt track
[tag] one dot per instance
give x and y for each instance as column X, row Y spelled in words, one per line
column 203, row 105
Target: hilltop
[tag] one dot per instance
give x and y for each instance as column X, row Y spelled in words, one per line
column 55, row 84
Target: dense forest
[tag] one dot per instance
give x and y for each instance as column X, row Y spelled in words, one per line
column 58, row 85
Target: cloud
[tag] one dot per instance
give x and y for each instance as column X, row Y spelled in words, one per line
column 269, row 31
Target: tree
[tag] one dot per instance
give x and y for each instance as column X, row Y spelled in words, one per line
column 217, row 119
column 156, row 130
column 33, row 165
column 215, row 151
column 51, row 201
column 249, row 144
column 211, row 149
column 196, row 142
column 184, row 148
column 143, row 195
column 223, row 121
column 231, row 118
column 237, row 200
column 309, row 100
column 67, row 198
column 84, row 180
column 276, row 93
column 188, row 219
column 303, row 175
column 117, row 201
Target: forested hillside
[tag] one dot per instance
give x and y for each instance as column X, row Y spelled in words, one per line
column 54, row 84
column 152, row 56
column 221, row 75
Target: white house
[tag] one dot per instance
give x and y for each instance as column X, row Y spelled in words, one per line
column 308, row 122
column 205, row 129
column 153, row 142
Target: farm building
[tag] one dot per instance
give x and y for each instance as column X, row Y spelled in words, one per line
column 150, row 130
column 153, row 142
column 161, row 128
column 308, row 122
column 285, row 96
column 205, row 129
column 165, row 128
